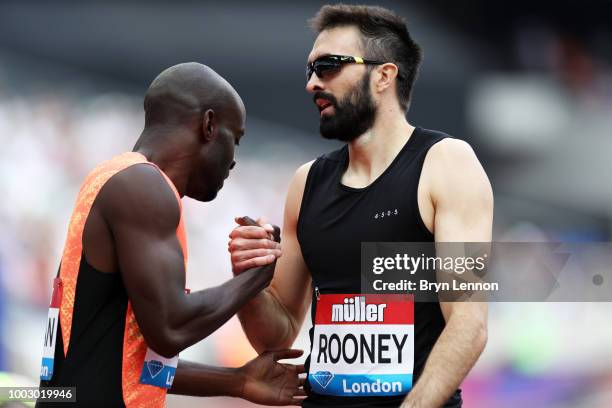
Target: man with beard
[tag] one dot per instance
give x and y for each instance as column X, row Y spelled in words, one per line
column 390, row 182
column 124, row 311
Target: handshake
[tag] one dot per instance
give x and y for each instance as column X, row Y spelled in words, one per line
column 254, row 244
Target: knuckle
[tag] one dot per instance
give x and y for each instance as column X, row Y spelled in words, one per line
column 236, row 244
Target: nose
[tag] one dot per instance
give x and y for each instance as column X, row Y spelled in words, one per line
column 314, row 84
column 233, row 164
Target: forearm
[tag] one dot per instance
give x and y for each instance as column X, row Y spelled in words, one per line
column 267, row 323
column 454, row 354
column 203, row 312
column 206, row 381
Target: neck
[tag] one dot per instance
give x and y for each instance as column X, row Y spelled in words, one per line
column 371, row 153
column 153, row 145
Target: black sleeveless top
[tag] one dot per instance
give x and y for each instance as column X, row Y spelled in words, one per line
column 334, row 220
column 94, row 361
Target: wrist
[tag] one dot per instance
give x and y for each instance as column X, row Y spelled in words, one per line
column 259, row 277
column 412, row 401
column 241, row 380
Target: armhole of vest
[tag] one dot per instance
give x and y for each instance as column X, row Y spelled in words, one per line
column 421, row 163
column 306, row 196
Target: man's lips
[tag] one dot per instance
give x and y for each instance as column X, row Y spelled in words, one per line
column 323, row 104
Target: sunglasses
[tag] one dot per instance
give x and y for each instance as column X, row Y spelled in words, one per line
column 329, row 64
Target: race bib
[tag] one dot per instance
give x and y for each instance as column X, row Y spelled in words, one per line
column 363, row 345
column 46, row 368
column 157, row 370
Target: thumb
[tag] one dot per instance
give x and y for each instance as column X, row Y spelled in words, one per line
column 287, row 354
column 263, row 221
column 245, row 221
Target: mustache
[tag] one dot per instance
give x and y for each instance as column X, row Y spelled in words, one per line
column 326, row 96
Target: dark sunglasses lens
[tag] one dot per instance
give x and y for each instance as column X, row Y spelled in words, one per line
column 324, row 67
column 309, row 71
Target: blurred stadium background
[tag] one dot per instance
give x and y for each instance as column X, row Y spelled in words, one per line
column 528, row 84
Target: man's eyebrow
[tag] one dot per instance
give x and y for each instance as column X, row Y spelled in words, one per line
column 325, row 54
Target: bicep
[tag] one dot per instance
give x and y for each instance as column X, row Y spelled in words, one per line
column 143, row 215
column 461, row 193
column 463, row 202
column 152, row 268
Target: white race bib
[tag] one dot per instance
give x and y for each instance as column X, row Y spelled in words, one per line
column 46, row 368
column 363, row 345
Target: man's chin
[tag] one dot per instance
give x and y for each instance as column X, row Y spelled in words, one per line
column 327, row 129
column 336, row 133
column 205, row 197
column 329, row 136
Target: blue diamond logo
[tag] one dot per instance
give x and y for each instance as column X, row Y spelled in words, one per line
column 323, row 378
column 154, row 367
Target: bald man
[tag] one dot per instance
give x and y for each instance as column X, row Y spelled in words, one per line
column 120, row 312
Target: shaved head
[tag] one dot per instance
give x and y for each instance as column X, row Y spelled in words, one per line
column 193, row 120
column 186, row 91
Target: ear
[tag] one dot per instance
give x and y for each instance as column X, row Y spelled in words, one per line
column 209, row 125
column 386, row 75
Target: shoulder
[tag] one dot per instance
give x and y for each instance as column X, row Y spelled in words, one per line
column 302, row 172
column 319, row 166
column 139, row 194
column 296, row 189
column 451, row 152
column 453, row 170
column 298, row 182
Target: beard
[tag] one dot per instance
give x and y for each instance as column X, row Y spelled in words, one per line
column 353, row 115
